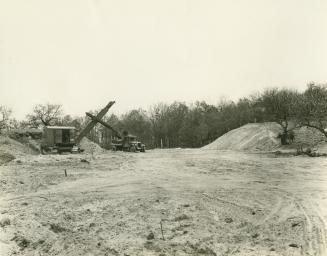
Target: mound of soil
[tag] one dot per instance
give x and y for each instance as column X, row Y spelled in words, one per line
column 322, row 148
column 264, row 137
column 91, row 147
column 256, row 136
column 5, row 157
column 307, row 137
column 14, row 147
column 11, row 149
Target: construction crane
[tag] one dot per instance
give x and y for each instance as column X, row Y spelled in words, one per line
column 58, row 139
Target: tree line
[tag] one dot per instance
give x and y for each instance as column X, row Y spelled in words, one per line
column 193, row 125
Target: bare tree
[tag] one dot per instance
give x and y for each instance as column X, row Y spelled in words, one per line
column 5, row 114
column 312, row 109
column 280, row 107
column 47, row 114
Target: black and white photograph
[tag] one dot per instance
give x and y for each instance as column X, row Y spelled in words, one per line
column 163, row 128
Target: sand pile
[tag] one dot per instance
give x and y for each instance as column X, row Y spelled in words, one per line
column 29, row 137
column 322, row 148
column 264, row 137
column 91, row 147
column 307, row 137
column 11, row 149
column 256, row 136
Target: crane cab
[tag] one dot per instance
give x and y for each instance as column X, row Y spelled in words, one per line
column 58, row 139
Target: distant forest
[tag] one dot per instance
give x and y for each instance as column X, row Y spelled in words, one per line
column 193, row 125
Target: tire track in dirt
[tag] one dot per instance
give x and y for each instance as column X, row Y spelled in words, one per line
column 315, row 229
column 274, row 211
column 324, row 222
column 314, row 234
column 319, row 226
column 315, row 224
column 307, row 234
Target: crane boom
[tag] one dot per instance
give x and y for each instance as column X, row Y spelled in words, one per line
column 96, row 119
column 93, row 122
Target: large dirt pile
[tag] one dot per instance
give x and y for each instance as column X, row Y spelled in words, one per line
column 307, row 137
column 90, row 147
column 29, row 137
column 264, row 137
column 322, row 148
column 11, row 149
column 256, row 136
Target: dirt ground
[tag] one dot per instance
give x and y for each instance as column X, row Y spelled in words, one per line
column 164, row 202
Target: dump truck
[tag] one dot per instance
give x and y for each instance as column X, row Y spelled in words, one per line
column 59, row 139
column 123, row 142
column 127, row 143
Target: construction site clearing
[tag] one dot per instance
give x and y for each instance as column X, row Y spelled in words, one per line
column 239, row 195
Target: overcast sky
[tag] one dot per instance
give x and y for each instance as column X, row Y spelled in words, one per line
column 84, row 53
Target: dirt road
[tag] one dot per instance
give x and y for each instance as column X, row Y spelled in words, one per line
column 164, row 202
